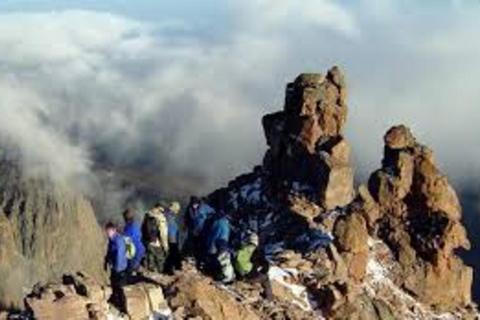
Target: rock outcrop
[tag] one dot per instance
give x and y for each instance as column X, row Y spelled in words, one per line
column 420, row 220
column 45, row 232
column 384, row 251
column 192, row 295
column 80, row 297
column 306, row 142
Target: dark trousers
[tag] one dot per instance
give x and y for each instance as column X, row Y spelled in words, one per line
column 155, row 259
column 174, row 259
column 118, row 280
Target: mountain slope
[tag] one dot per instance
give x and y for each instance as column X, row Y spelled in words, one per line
column 45, row 231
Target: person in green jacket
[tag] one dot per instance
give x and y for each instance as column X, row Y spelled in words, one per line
column 251, row 265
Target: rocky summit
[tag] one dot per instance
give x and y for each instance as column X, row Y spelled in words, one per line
column 384, row 250
column 394, row 239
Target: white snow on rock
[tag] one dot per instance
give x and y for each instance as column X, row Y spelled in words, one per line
column 286, row 278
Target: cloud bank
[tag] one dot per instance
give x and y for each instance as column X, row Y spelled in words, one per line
column 81, row 88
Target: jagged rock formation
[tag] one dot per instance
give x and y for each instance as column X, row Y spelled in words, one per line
column 392, row 254
column 45, row 231
column 420, row 221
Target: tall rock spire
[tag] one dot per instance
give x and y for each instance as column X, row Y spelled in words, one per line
column 306, row 141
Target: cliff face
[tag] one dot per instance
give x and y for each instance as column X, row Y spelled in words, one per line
column 45, row 231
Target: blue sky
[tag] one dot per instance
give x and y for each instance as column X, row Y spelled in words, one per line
column 152, row 10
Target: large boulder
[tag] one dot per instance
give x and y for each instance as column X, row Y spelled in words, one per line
column 80, row 297
column 194, row 296
column 144, row 300
column 76, row 297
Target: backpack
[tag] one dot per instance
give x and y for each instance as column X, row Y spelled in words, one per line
column 243, row 260
column 130, row 249
column 156, row 229
column 151, row 231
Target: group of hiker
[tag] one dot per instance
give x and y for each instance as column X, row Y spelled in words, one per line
column 157, row 245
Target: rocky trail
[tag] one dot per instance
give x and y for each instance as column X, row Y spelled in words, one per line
column 384, row 250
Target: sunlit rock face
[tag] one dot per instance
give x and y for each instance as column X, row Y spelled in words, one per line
column 306, row 141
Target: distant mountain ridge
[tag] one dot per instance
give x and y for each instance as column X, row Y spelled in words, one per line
column 45, row 231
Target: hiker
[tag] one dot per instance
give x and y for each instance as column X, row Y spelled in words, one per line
column 224, row 271
column 174, row 259
column 133, row 231
column 155, row 237
column 116, row 259
column 198, row 213
column 251, row 265
column 217, row 228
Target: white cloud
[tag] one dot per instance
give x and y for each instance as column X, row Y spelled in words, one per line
column 140, row 92
column 269, row 15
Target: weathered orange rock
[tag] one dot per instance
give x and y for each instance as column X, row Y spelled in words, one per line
column 198, row 297
column 421, row 222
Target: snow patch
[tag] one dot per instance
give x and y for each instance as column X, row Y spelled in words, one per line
column 300, row 293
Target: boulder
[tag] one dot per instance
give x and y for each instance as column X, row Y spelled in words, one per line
column 336, row 184
column 144, row 300
column 81, row 297
column 66, row 306
column 76, row 297
column 193, row 296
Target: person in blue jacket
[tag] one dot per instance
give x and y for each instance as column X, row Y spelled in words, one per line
column 197, row 216
column 133, row 230
column 203, row 213
column 116, row 259
column 217, row 231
